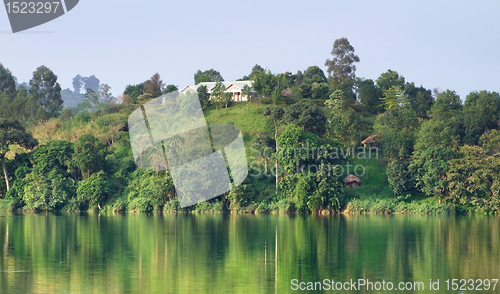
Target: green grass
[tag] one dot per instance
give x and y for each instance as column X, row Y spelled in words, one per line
column 249, row 117
column 374, row 182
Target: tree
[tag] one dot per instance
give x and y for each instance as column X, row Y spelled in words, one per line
column 275, row 114
column 342, row 67
column 314, row 74
column 307, row 116
column 104, row 92
column 345, row 122
column 93, row 190
column 227, row 98
column 210, row 75
column 474, row 179
column 170, row 88
column 265, row 142
column 13, row 133
column 394, row 98
column 78, row 83
column 91, row 101
column 419, row 99
column 264, row 83
column 447, row 108
column 398, row 128
column 247, row 91
column 481, row 112
column 320, row 91
column 46, row 90
column 255, row 70
column 390, row 79
column 436, row 143
column 203, row 95
column 369, row 94
column 7, row 82
column 91, row 83
column 90, row 155
column 154, row 86
column 134, row 91
column 218, row 93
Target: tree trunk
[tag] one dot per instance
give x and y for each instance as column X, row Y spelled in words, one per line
column 6, row 174
column 276, row 165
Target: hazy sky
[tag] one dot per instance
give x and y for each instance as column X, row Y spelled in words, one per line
column 446, row 44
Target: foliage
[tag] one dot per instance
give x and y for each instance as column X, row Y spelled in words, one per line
column 369, row 94
column 264, row 83
column 94, row 190
column 89, row 156
column 203, row 95
column 13, row 133
column 210, row 75
column 342, row 66
column 154, row 86
column 390, row 79
column 394, row 98
column 307, row 116
column 7, row 82
column 46, row 91
column 148, row 191
column 481, row 112
column 474, row 178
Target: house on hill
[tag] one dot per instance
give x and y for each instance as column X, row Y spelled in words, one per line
column 234, row 87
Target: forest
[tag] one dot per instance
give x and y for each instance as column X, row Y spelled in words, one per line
column 436, row 153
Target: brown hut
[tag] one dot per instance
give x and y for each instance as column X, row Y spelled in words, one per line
column 351, row 181
column 370, row 141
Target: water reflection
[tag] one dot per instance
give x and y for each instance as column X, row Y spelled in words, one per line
column 88, row 253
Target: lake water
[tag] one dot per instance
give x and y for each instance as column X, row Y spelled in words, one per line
column 90, row 253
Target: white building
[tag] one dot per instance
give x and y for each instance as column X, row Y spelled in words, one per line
column 235, row 87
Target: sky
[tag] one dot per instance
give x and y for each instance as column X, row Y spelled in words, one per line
column 437, row 44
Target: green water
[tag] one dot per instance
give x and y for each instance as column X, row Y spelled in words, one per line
column 46, row 253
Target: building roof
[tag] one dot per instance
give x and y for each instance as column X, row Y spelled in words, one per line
column 371, row 139
column 351, row 178
column 211, row 85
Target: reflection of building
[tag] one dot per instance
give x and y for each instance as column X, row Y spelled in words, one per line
column 235, row 87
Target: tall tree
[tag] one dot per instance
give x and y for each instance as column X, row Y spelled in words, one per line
column 46, row 90
column 275, row 114
column 13, row 133
column 210, row 75
column 104, row 92
column 78, row 83
column 154, row 85
column 342, row 66
column 7, row 82
column 92, row 83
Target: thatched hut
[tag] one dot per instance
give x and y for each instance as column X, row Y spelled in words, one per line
column 370, row 141
column 351, row 181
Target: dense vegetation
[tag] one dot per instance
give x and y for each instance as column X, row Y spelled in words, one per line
column 434, row 152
